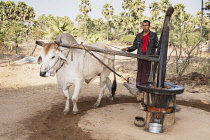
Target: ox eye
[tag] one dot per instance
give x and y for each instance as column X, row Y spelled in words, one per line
column 53, row 57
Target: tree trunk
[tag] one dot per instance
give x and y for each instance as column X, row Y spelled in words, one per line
column 107, row 35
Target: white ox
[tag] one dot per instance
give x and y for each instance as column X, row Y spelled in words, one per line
column 75, row 67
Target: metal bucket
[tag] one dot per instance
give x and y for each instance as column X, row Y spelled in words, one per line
column 155, row 127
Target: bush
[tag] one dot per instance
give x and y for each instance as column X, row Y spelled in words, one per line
column 191, row 38
column 127, row 39
column 95, row 38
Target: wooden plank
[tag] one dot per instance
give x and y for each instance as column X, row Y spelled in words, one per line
column 92, row 48
column 131, row 86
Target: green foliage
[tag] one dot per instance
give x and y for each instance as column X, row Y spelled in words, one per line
column 56, row 27
column 191, row 38
column 95, row 38
column 85, row 8
column 99, row 25
column 114, row 36
column 15, row 33
column 132, row 15
column 127, row 39
column 206, row 28
column 107, row 11
column 49, row 26
column 15, row 22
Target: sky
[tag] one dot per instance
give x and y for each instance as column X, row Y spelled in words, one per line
column 70, row 8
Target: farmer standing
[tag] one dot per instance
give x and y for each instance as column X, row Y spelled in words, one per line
column 146, row 43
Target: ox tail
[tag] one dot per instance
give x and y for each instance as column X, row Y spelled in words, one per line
column 114, row 86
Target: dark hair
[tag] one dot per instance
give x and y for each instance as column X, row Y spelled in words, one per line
column 146, row 21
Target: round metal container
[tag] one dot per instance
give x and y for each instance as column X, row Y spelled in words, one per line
column 155, row 127
column 157, row 120
column 139, row 121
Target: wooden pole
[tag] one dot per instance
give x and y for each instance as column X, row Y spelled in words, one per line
column 164, row 48
column 92, row 48
column 33, row 50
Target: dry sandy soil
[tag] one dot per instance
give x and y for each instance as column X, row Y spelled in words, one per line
column 31, row 108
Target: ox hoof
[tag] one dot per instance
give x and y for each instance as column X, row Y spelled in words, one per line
column 66, row 112
column 76, row 112
column 95, row 106
column 111, row 99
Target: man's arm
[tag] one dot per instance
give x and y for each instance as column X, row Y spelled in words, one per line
column 132, row 48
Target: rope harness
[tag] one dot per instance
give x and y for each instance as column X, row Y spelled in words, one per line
column 50, row 67
column 63, row 62
column 91, row 53
column 56, row 63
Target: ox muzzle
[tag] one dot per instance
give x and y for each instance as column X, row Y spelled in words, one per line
column 43, row 74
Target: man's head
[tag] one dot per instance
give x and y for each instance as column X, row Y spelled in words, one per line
column 145, row 25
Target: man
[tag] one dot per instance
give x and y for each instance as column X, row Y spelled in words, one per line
column 146, row 43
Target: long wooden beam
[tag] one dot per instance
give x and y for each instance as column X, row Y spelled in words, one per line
column 92, row 48
column 164, row 48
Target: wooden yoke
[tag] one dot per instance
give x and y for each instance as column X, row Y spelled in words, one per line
column 92, row 48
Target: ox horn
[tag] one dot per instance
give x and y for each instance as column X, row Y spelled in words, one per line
column 40, row 43
column 57, row 42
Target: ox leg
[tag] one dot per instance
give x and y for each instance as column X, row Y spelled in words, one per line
column 109, row 85
column 102, row 89
column 75, row 96
column 66, row 109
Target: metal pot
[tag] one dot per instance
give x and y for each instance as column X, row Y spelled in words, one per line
column 157, row 120
column 139, row 121
column 155, row 127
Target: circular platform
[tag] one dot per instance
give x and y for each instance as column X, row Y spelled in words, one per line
column 169, row 88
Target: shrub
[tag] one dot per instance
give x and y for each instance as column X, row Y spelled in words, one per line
column 127, row 39
column 95, row 38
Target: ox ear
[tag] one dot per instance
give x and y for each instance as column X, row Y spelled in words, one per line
column 62, row 56
column 39, row 60
column 40, row 43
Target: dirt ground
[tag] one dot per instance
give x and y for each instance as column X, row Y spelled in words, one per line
column 118, row 121
column 31, row 108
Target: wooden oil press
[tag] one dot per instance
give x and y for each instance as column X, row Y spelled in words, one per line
column 159, row 99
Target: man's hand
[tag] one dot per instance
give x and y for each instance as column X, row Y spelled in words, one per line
column 124, row 49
